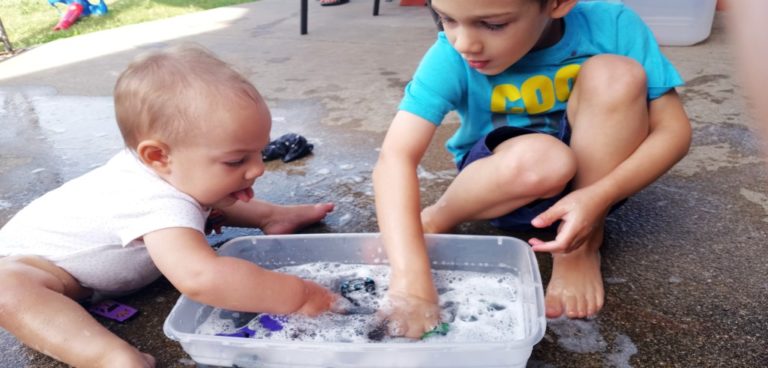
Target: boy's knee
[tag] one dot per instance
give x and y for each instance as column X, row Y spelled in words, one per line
column 613, row 76
column 544, row 166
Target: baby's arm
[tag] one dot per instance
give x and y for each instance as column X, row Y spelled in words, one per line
column 184, row 256
column 398, row 211
column 273, row 218
column 668, row 141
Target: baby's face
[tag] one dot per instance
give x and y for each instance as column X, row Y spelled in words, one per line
column 220, row 166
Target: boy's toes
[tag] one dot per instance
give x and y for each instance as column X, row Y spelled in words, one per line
column 554, row 307
column 572, row 306
column 579, row 310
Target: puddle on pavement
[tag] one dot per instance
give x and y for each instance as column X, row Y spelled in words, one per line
column 78, row 131
column 584, row 336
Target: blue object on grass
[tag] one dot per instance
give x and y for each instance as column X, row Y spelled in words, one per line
column 88, row 8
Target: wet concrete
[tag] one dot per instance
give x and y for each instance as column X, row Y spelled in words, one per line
column 684, row 261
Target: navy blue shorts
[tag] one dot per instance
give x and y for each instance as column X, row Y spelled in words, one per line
column 519, row 219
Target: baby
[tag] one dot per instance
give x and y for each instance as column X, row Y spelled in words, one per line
column 194, row 130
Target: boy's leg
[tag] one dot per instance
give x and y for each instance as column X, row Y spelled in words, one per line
column 273, row 218
column 37, row 305
column 520, row 170
column 609, row 119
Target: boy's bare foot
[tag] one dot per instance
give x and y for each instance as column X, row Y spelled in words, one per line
column 287, row 219
column 576, row 286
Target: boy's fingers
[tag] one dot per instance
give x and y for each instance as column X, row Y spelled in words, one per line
column 535, row 241
column 548, row 217
column 565, row 236
column 550, row 247
column 538, row 245
column 561, row 244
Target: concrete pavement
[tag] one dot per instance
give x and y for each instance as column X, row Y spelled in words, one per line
column 685, row 266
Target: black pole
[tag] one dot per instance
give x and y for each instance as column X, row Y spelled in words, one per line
column 4, row 38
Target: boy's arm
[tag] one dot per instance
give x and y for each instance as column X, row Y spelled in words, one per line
column 187, row 260
column 398, row 209
column 668, row 141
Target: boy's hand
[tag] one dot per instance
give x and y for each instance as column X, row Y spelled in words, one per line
column 318, row 299
column 581, row 211
column 410, row 316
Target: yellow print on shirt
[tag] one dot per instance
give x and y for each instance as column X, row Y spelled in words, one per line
column 538, row 93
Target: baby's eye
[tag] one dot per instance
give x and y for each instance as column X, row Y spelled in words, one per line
column 494, row 26
column 235, row 163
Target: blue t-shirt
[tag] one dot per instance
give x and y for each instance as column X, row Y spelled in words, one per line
column 533, row 92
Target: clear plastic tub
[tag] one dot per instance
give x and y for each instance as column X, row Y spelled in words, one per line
column 676, row 22
column 489, row 254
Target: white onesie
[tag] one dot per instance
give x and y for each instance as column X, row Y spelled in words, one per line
column 92, row 226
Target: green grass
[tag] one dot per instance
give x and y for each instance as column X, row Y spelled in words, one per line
column 30, row 22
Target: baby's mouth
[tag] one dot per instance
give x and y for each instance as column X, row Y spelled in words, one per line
column 244, row 195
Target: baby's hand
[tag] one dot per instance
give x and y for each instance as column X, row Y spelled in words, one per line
column 410, row 316
column 318, row 299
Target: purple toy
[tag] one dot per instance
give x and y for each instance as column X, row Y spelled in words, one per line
column 113, row 310
column 272, row 323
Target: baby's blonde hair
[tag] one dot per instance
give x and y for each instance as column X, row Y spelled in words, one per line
column 172, row 93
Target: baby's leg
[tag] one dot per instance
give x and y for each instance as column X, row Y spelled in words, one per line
column 275, row 219
column 37, row 305
column 609, row 120
column 519, row 171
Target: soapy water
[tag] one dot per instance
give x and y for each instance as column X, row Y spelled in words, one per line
column 478, row 307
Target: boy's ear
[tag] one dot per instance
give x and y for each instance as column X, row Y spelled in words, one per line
column 559, row 8
column 154, row 154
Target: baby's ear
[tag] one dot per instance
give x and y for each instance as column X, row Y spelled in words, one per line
column 154, row 154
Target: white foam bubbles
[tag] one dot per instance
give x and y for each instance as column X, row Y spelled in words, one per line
column 480, row 307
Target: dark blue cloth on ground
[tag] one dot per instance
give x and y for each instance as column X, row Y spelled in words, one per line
column 288, row 147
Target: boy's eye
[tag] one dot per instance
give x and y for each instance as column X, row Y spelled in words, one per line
column 444, row 20
column 494, row 26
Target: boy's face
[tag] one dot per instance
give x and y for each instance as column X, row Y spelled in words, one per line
column 219, row 165
column 492, row 35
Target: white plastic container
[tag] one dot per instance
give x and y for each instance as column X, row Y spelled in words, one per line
column 676, row 22
column 489, row 254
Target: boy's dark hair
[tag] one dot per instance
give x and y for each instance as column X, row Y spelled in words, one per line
column 439, row 24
